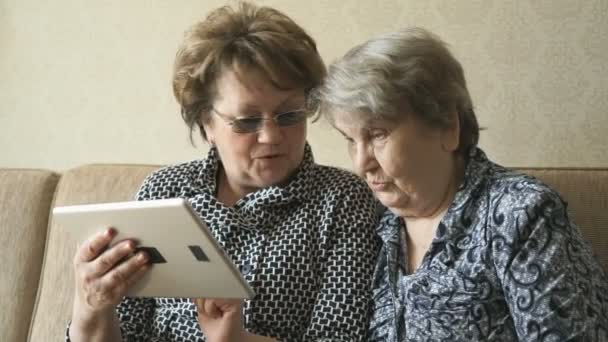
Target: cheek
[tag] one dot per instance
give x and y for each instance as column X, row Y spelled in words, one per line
column 236, row 148
column 357, row 168
column 296, row 134
column 387, row 160
column 294, row 139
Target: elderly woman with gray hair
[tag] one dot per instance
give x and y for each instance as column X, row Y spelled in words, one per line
column 471, row 251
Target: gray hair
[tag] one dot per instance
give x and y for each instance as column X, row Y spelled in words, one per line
column 408, row 71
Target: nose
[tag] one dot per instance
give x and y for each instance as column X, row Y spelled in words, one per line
column 363, row 158
column 270, row 133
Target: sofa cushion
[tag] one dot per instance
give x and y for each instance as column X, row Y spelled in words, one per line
column 83, row 185
column 586, row 191
column 25, row 197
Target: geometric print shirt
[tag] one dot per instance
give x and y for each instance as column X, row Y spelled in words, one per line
column 506, row 264
column 307, row 249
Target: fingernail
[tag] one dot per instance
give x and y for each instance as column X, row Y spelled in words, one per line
column 110, row 232
column 142, row 257
column 130, row 245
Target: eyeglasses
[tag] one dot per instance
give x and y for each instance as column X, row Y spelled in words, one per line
column 255, row 123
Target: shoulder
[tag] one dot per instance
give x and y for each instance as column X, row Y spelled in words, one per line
column 506, row 203
column 522, row 207
column 503, row 187
column 341, row 190
column 169, row 180
column 176, row 172
column 329, row 178
column 514, row 191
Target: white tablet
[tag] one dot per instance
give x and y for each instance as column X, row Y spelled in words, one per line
column 187, row 261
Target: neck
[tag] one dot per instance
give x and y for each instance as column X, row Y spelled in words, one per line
column 227, row 192
column 421, row 229
column 447, row 196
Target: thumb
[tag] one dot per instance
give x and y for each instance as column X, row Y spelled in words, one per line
column 207, row 308
column 229, row 306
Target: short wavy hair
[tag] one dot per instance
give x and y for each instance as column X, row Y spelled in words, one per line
column 408, row 71
column 240, row 37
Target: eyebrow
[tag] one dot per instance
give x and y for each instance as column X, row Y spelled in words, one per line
column 287, row 101
column 366, row 127
column 343, row 134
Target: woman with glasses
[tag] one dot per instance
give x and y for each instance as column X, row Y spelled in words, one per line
column 302, row 234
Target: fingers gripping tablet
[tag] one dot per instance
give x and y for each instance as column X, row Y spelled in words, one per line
column 186, row 259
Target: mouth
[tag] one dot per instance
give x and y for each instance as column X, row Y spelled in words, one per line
column 378, row 185
column 268, row 156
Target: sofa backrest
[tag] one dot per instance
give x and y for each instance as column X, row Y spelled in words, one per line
column 25, row 199
column 82, row 185
column 586, row 192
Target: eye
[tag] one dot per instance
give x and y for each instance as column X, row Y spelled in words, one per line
column 378, row 134
column 247, row 124
column 291, row 117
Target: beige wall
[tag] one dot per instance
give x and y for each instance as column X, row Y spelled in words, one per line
column 89, row 81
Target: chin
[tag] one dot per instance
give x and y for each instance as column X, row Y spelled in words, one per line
column 387, row 199
column 274, row 175
column 400, row 212
column 396, row 205
column 271, row 179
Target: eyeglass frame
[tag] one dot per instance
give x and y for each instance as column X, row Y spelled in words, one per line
column 233, row 121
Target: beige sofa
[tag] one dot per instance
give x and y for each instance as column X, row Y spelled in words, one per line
column 35, row 255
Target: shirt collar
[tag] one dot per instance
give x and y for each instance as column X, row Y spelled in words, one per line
column 477, row 166
column 297, row 188
column 457, row 224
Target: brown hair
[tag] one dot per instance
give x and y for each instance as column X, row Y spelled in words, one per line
column 241, row 37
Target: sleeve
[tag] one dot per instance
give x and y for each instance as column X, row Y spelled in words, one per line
column 136, row 317
column 554, row 287
column 342, row 305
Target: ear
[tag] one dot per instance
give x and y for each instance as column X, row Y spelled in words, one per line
column 450, row 135
column 207, row 127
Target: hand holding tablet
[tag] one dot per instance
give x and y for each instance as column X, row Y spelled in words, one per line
column 186, row 260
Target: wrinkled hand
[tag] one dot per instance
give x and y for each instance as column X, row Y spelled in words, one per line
column 103, row 275
column 221, row 319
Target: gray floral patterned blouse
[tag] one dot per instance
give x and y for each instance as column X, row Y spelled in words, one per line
column 506, row 264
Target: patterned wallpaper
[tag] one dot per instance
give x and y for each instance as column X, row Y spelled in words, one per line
column 89, row 81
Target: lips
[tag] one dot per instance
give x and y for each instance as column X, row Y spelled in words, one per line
column 378, row 186
column 269, row 156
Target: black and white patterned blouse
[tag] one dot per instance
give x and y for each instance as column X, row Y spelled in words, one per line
column 307, row 249
column 506, row 264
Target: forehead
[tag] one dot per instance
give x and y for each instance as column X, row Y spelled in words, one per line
column 251, row 88
column 243, row 82
column 354, row 120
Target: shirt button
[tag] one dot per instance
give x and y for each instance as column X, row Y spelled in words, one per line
column 246, row 269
